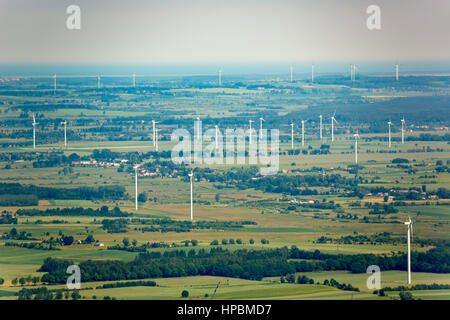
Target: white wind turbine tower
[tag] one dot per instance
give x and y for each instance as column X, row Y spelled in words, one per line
column 292, row 135
column 320, row 124
column 136, row 186
column 217, row 137
column 312, row 73
column 396, row 71
column 333, row 120
column 292, row 73
column 191, row 177
column 34, row 131
column 98, row 82
column 154, row 133
column 65, row 132
column 356, row 135
column 134, row 80
column 250, row 136
column 409, row 225
column 389, row 132
column 220, row 77
column 303, row 133
column 403, row 130
column 353, row 72
column 198, row 128
column 260, row 127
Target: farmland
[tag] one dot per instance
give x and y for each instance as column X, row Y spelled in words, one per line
column 318, row 200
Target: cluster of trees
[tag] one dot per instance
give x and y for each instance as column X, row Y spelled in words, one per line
column 43, row 293
column 433, row 286
column 383, row 208
column 246, row 264
column 435, row 260
column 13, row 234
column 383, row 237
column 31, row 245
column 25, row 280
column 169, row 225
column 141, row 283
column 7, row 218
column 82, row 193
column 104, row 211
column 115, row 225
column 342, row 286
column 302, row 279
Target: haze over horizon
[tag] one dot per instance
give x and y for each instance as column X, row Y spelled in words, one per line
column 225, row 32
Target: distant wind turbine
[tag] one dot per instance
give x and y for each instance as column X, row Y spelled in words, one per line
column 217, row 137
column 320, row 124
column 34, row 131
column 98, row 82
column 292, row 135
column 333, row 120
column 136, row 186
column 220, row 77
column 410, row 234
column 260, row 127
column 312, row 73
column 389, row 133
column 65, row 132
column 134, row 80
column 54, row 84
column 154, row 133
column 198, row 128
column 396, row 71
column 292, row 73
column 356, row 135
column 191, row 176
column 403, row 130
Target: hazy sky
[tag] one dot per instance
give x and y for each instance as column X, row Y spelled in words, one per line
column 223, row 31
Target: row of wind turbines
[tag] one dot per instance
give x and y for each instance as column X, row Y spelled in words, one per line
column 353, row 69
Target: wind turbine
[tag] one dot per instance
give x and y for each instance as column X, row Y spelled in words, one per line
column 389, row 132
column 260, row 127
column 303, row 133
column 409, row 225
column 353, row 72
column 191, row 176
column 403, row 130
column 250, row 136
column 312, row 73
column 154, row 133
column 320, row 122
column 396, row 71
column 292, row 135
column 217, row 137
column 198, row 128
column 135, row 186
column 65, row 132
column 134, row 80
column 34, row 131
column 356, row 135
column 98, row 81
column 220, row 77
column 333, row 120
column 292, row 73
